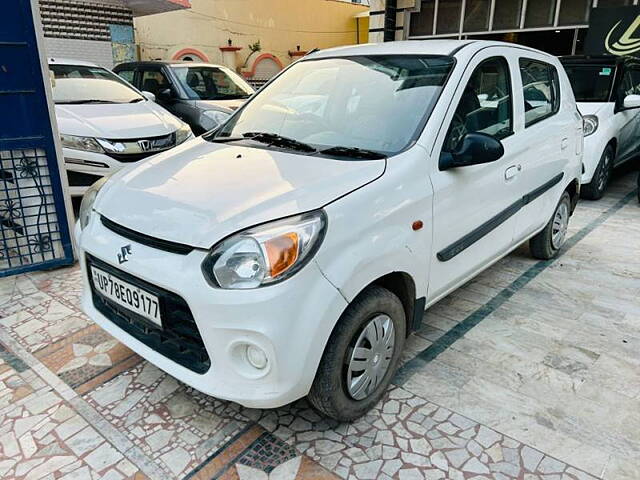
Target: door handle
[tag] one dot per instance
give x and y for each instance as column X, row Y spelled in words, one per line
column 565, row 143
column 512, row 171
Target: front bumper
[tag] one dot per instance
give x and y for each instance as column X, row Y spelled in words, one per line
column 85, row 168
column 290, row 321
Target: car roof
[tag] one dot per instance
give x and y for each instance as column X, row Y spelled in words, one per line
column 171, row 63
column 70, row 61
column 413, row 47
column 592, row 59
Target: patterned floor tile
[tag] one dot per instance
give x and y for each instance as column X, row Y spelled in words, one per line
column 255, row 454
column 406, row 433
column 42, row 436
column 173, row 424
column 539, row 369
column 88, row 358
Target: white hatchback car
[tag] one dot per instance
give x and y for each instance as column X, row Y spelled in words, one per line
column 105, row 123
column 607, row 89
column 291, row 252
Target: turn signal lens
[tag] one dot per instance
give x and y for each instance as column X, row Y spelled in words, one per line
column 265, row 254
column 282, row 253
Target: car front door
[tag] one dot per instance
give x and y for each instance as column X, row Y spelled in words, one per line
column 473, row 205
column 152, row 79
column 626, row 121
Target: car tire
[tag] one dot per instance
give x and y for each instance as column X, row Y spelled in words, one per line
column 330, row 393
column 546, row 244
column 595, row 189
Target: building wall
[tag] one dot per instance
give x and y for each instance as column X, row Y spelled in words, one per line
column 81, row 30
column 279, row 25
column 98, row 52
column 378, row 13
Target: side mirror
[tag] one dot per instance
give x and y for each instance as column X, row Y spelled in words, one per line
column 165, row 95
column 474, row 149
column 631, row 101
column 149, row 96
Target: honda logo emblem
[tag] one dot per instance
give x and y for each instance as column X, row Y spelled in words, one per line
column 123, row 256
column 145, row 145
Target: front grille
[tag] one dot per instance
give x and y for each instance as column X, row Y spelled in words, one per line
column 142, row 148
column 79, row 179
column 131, row 157
column 149, row 241
column 179, row 339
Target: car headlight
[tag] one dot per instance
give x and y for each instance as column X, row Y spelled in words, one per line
column 210, row 119
column 265, row 254
column 589, row 124
column 183, row 134
column 86, row 207
column 86, row 144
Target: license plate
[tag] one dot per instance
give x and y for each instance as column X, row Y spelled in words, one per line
column 126, row 295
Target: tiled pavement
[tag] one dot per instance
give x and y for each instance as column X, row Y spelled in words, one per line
column 531, row 371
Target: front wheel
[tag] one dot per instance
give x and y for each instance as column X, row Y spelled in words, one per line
column 595, row 189
column 546, row 244
column 361, row 356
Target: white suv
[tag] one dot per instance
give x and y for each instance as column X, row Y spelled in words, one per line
column 607, row 89
column 292, row 251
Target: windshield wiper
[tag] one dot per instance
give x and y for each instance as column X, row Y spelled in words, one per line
column 137, row 100
column 353, row 152
column 275, row 140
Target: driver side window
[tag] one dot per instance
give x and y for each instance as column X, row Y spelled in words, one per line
column 485, row 106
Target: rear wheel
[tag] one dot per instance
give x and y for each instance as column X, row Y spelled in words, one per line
column 361, row 356
column 598, row 185
column 546, row 244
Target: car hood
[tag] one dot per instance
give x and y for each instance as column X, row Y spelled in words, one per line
column 592, row 108
column 116, row 121
column 201, row 192
column 225, row 105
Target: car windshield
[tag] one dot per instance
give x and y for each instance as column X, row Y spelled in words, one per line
column 591, row 83
column 83, row 84
column 376, row 103
column 212, row 83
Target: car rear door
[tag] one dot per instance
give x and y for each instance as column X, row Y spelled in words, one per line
column 473, row 206
column 549, row 139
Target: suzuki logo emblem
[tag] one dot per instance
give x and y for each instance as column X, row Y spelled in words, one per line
column 145, row 145
column 627, row 43
column 123, row 256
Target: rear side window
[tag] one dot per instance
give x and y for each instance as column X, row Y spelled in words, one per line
column 541, row 90
column 127, row 75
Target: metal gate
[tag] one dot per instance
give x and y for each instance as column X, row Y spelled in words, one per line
column 34, row 231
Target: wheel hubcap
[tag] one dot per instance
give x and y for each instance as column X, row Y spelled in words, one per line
column 560, row 225
column 371, row 357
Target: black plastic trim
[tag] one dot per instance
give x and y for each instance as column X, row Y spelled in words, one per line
column 486, row 228
column 178, row 339
column 419, row 307
column 143, row 239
